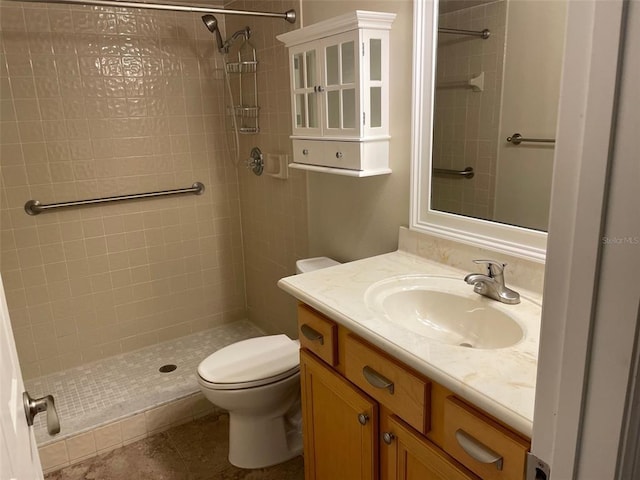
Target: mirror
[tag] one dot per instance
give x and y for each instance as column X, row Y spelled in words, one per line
column 485, row 70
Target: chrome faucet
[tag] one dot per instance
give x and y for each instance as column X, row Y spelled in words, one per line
column 492, row 284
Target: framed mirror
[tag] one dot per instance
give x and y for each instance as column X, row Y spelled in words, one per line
column 484, row 71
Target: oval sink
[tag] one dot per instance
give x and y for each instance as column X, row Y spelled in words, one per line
column 446, row 310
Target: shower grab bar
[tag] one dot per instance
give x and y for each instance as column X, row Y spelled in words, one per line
column 517, row 139
column 484, row 34
column 34, row 207
column 466, row 173
column 289, row 15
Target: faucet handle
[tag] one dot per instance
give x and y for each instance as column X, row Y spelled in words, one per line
column 493, row 268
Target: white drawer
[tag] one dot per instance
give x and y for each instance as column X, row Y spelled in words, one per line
column 342, row 155
column 309, row 152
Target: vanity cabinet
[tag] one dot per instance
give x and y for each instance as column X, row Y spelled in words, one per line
column 340, row 93
column 369, row 416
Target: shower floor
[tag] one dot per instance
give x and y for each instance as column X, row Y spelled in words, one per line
column 107, row 390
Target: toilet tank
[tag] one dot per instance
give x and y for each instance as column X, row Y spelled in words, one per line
column 310, row 264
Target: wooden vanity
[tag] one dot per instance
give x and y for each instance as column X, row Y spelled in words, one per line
column 369, row 416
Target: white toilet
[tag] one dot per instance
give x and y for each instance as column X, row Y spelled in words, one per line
column 258, row 382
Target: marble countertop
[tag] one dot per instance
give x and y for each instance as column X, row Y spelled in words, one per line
column 500, row 381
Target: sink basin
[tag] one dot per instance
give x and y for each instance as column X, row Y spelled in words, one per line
column 446, row 310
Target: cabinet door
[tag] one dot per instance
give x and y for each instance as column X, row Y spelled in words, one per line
column 409, row 456
column 340, row 427
column 341, row 54
column 306, row 82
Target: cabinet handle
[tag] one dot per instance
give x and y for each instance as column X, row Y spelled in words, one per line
column 477, row 450
column 338, row 154
column 311, row 334
column 363, row 418
column 318, row 89
column 305, row 151
column 388, row 437
column 377, row 380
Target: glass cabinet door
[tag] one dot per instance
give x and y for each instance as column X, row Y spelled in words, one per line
column 341, row 72
column 305, row 98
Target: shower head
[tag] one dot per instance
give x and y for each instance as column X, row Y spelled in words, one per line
column 212, row 24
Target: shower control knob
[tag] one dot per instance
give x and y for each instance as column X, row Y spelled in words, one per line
column 387, row 437
column 363, row 418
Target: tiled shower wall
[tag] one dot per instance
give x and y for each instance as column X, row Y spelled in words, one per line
column 274, row 211
column 100, row 102
column 466, row 121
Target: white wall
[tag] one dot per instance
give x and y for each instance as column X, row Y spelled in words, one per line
column 351, row 218
column 533, row 62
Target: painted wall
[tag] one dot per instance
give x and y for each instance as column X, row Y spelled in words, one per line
column 98, row 102
column 351, row 218
column 533, row 62
column 274, row 211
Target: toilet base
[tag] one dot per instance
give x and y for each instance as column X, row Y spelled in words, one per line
column 262, row 442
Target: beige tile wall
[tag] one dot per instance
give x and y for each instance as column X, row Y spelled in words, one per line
column 466, row 122
column 100, row 102
column 274, row 211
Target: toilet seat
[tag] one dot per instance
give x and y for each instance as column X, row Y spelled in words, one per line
column 250, row 363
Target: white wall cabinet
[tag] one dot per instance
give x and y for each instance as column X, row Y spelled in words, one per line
column 339, row 71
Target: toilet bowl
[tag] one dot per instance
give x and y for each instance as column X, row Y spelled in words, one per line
column 258, row 382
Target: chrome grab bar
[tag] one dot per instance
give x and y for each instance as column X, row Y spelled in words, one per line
column 484, row 34
column 34, row 207
column 517, row 139
column 466, row 173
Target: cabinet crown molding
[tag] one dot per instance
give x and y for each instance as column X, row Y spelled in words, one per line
column 343, row 23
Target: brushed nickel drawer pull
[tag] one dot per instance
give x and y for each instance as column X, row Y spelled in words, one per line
column 311, row 334
column 377, row 380
column 477, row 450
column 388, row 438
column 363, row 418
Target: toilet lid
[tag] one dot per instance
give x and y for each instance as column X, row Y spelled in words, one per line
column 251, row 361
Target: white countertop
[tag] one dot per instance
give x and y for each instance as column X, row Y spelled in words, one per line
column 500, row 381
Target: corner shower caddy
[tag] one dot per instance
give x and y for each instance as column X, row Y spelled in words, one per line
column 244, row 75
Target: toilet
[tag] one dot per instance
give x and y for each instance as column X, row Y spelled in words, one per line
column 258, row 382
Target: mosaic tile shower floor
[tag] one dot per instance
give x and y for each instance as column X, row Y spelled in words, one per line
column 194, row 451
column 113, row 388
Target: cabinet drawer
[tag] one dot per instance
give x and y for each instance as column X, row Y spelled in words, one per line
column 482, row 445
column 309, row 152
column 342, row 155
column 318, row 334
column 389, row 383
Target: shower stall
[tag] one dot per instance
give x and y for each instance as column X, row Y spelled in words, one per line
column 105, row 99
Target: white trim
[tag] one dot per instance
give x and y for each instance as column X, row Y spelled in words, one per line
column 513, row 240
column 333, row 26
column 579, row 191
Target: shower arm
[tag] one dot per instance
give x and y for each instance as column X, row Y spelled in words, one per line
column 289, row 15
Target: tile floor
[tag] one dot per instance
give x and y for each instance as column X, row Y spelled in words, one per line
column 194, row 451
column 107, row 390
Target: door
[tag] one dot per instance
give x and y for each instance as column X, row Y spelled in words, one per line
column 408, row 456
column 341, row 75
column 340, row 425
column 20, row 458
column 305, row 91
